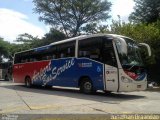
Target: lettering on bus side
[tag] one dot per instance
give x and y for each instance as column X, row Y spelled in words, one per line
column 54, row 72
column 84, row 65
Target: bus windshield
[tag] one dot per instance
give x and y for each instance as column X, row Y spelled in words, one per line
column 133, row 57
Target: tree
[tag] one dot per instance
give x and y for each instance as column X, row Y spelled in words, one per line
column 146, row 11
column 94, row 28
column 53, row 36
column 28, row 41
column 4, row 53
column 70, row 15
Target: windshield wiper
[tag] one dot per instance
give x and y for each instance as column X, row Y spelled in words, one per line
column 131, row 67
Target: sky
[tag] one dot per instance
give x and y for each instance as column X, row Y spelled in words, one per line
column 17, row 17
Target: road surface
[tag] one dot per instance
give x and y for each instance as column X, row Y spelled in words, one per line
column 21, row 100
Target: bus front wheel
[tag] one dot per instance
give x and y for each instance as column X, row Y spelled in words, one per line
column 28, row 82
column 86, row 86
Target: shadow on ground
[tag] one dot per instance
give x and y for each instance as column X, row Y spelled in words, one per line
column 113, row 98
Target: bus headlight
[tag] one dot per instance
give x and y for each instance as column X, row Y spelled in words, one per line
column 126, row 80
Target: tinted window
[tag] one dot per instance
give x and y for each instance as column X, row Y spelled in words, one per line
column 98, row 48
column 66, row 50
column 91, row 48
column 22, row 57
column 50, row 53
column 46, row 53
column 108, row 53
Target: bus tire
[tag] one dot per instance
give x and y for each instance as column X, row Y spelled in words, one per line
column 28, row 83
column 86, row 86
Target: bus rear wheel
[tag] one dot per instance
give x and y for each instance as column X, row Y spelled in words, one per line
column 86, row 86
column 28, row 82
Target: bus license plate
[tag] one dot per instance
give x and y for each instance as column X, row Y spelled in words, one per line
column 138, row 86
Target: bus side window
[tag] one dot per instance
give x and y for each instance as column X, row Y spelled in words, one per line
column 66, row 50
column 91, row 48
column 22, row 61
column 18, row 59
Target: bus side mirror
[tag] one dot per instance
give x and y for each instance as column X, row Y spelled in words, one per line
column 148, row 48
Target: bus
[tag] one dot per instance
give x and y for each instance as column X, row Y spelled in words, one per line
column 107, row 62
column 6, row 71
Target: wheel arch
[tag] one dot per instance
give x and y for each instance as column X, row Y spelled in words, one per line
column 27, row 76
column 82, row 78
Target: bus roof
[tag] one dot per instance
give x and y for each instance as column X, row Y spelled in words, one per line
column 72, row 39
column 87, row 36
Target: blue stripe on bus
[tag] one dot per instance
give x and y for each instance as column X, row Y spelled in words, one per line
column 67, row 72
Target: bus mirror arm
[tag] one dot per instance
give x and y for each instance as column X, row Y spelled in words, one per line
column 148, row 48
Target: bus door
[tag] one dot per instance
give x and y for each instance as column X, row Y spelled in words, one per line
column 111, row 78
column 111, row 69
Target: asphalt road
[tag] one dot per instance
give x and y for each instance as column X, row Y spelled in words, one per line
column 18, row 99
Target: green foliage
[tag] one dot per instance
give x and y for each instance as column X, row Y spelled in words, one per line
column 4, row 47
column 146, row 11
column 70, row 16
column 28, row 41
column 24, row 42
column 53, row 36
column 94, row 28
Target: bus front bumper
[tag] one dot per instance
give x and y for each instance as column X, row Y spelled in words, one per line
column 129, row 87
